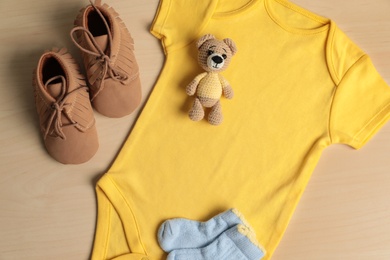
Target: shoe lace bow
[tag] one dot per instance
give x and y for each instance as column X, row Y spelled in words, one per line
column 101, row 56
column 57, row 107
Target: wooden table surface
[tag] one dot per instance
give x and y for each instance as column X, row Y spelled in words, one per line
column 48, row 210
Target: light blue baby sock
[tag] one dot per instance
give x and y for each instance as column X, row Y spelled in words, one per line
column 180, row 233
column 237, row 243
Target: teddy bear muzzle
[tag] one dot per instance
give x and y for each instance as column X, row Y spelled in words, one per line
column 215, row 61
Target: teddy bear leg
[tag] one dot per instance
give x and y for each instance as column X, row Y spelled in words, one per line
column 196, row 113
column 215, row 116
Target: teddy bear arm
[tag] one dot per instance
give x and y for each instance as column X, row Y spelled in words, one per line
column 226, row 88
column 191, row 88
column 228, row 92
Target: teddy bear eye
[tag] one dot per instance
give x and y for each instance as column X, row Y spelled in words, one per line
column 210, row 52
column 224, row 56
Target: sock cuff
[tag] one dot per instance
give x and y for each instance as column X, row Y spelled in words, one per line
column 251, row 235
column 245, row 240
column 241, row 217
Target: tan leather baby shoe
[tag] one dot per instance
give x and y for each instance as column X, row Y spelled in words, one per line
column 111, row 68
column 65, row 113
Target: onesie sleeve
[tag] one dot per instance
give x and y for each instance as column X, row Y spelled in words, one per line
column 361, row 104
column 179, row 22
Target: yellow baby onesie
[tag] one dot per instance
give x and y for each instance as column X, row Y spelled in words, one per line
column 300, row 85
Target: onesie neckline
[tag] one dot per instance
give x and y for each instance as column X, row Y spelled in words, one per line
column 239, row 10
column 326, row 23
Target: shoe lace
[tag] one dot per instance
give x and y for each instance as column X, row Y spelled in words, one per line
column 55, row 119
column 100, row 55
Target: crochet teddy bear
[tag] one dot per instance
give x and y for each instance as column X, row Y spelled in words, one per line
column 213, row 56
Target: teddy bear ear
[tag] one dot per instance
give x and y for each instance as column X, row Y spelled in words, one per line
column 231, row 44
column 204, row 38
